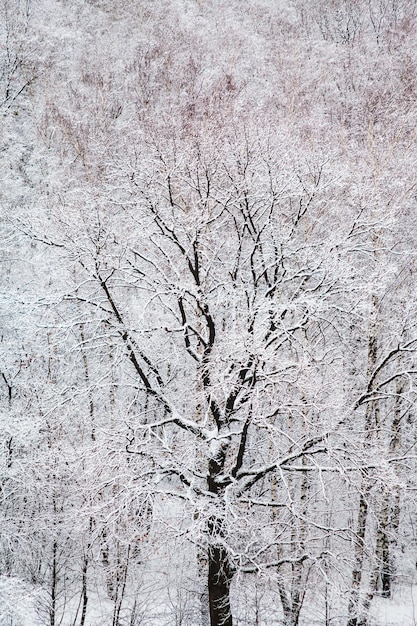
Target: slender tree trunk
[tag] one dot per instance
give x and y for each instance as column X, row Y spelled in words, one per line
column 391, row 508
column 91, row 410
column 122, row 570
column 84, row 580
column 293, row 600
column 84, row 593
column 387, row 523
column 285, row 600
column 379, row 560
column 54, row 583
column 371, row 426
column 384, row 549
column 353, row 606
column 87, row 381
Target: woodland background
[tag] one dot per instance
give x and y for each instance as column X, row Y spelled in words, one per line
column 208, row 312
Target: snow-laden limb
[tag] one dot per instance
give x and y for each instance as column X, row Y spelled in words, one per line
column 176, row 418
column 395, row 353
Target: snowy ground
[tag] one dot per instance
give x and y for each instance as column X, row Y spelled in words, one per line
column 17, row 608
column 401, row 610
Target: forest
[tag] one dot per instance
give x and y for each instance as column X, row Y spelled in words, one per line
column 208, row 318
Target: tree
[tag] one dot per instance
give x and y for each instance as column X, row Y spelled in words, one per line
column 235, row 279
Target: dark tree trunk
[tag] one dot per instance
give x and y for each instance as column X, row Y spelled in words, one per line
column 384, row 539
column 84, row 593
column 54, row 584
column 220, row 568
column 359, row 558
column 220, row 576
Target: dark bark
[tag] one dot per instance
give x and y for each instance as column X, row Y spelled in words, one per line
column 359, row 557
column 220, row 569
column 121, row 578
column 291, row 606
column 84, row 591
column 371, row 427
column 391, row 502
column 220, row 574
column 54, row 583
column 383, row 548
